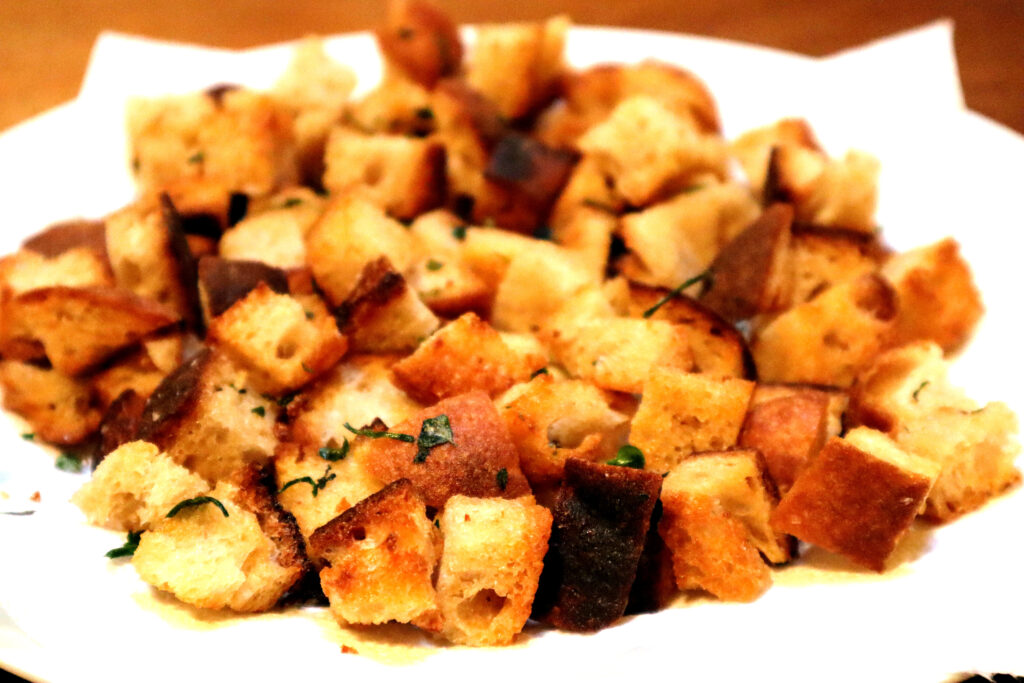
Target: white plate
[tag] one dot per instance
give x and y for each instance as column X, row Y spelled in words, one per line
column 67, row 613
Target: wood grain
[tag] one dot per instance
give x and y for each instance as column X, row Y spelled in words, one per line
column 44, row 44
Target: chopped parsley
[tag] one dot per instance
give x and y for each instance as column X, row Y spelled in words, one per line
column 405, row 33
column 408, row 438
column 705, row 277
column 282, row 401
column 29, row 436
column 309, row 315
column 317, row 484
column 502, row 478
column 543, row 232
column 291, row 202
column 434, row 432
column 459, row 232
column 542, row 371
column 599, row 205
column 68, row 463
column 433, row 264
column 425, row 113
column 196, row 502
column 628, row 456
column 260, row 410
column 919, row 388
column 129, row 547
column 306, row 368
column 196, row 158
column 331, row 454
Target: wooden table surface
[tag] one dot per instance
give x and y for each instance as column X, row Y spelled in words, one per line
column 44, row 44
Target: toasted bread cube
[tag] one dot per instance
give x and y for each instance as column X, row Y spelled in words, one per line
column 467, row 354
column 754, row 147
column 601, row 518
column 224, row 282
column 206, row 417
column 397, row 105
column 64, row 236
column 275, row 233
column 469, row 124
column 836, row 411
column 823, row 257
column 135, row 371
column 61, row 409
column 588, row 187
column 518, row 65
column 936, row 295
column 358, row 391
column 383, row 314
column 857, row 498
column 134, row 487
column 683, row 413
column 535, row 285
column 490, row 566
column 480, row 459
column 443, row 279
column 649, row 151
column 279, row 338
column 551, row 421
column 829, row 339
column 421, row 40
column 352, row 232
column 245, row 561
column 679, row 238
column 381, row 555
column 403, row 175
column 587, row 233
column 489, row 251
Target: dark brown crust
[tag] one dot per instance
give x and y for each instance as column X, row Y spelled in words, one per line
column 379, row 284
column 421, row 40
column 255, row 487
column 224, row 281
column 185, row 263
column 337, row 534
column 601, row 518
column 655, row 581
column 120, row 423
column 174, row 400
column 62, row 237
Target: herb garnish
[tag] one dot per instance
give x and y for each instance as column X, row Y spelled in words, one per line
column 599, row 205
column 129, row 547
column 317, row 485
column 310, row 315
column 543, row 232
column 919, row 388
column 434, row 432
column 196, row 158
column 542, row 371
column 459, row 232
column 408, row 438
column 195, row 502
column 29, row 436
column 628, row 456
column 291, row 202
column 68, row 463
column 502, row 478
column 706, row 277
column 19, row 513
column 260, row 410
column 306, row 368
column 433, row 264
column 425, row 113
column 331, row 454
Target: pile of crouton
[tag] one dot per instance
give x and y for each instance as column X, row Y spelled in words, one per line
column 500, row 340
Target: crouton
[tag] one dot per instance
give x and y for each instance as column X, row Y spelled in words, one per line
column 857, row 498
column 28, row 269
column 535, row 285
column 383, row 314
column 936, row 295
column 467, row 354
column 405, row 176
column 820, row 258
column 649, row 151
column 120, row 423
column 836, row 410
column 587, row 233
column 587, row 187
column 380, row 556
column 223, row 282
column 275, row 233
column 551, row 421
column 489, row 251
column 205, row 417
column 398, row 105
column 601, row 517
column 64, row 236
column 135, row 371
column 474, row 455
column 490, row 566
column 829, row 339
column 754, row 147
column 683, row 413
column 61, row 409
column 134, row 486
column 420, row 40
column 283, row 341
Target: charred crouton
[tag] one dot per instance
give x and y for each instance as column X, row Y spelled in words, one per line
column 754, row 147
column 788, row 431
column 551, row 421
column 936, row 295
column 474, row 454
column 655, row 582
column 683, row 413
column 829, row 339
column 352, row 232
column 207, row 418
column 421, row 40
column 223, row 282
column 357, row 391
column 80, row 327
column 134, row 371
column 677, row 239
column 490, row 566
column 857, row 498
column 820, row 258
column 465, row 355
column 232, row 549
column 68, row 235
column 275, row 232
column 381, row 555
column 62, row 410
column 601, row 517
column 750, row 275
column 134, row 487
column 383, row 314
column 518, row 66
column 405, row 176
column 120, row 423
column 283, row 341
column 649, row 151
column 535, row 285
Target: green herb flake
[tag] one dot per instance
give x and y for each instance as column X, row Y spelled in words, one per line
column 408, row 438
column 129, row 547
column 542, row 371
column 919, row 388
column 628, row 456
column 434, row 432
column 291, row 203
column 599, row 205
column 331, row 454
column 502, row 478
column 259, row 410
column 543, row 232
column 196, row 158
column 306, row 368
column 19, row 513
column 437, row 523
column 68, row 463
column 705, row 277
column 459, row 232
column 309, row 315
column 196, row 502
column 433, row 264
column 317, row 484
column 28, row 436
column 424, row 113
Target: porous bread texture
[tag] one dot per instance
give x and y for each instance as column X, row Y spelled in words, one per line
column 490, row 566
column 134, row 486
column 820, row 258
column 683, row 413
column 26, row 270
column 61, row 409
column 534, row 285
column 275, row 234
column 381, row 555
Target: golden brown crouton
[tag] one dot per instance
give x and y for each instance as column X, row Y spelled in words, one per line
column 135, row 371
column 223, row 282
column 492, row 560
column 61, row 409
column 822, row 257
column 397, row 105
column 467, row 354
column 754, row 147
column 587, row 187
column 442, row 278
column 474, row 455
column 274, row 230
column 381, row 555
column 682, row 413
column 587, row 233
column 134, row 487
column 283, row 341
column 421, row 40
column 857, row 498
column 535, row 285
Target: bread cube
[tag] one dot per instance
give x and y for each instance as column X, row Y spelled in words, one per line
column 490, row 566
column 857, row 498
column 823, row 257
column 420, row 40
column 655, row 583
column 275, row 232
column 588, row 187
column 601, row 517
column 61, row 410
column 283, row 341
column 683, row 413
column 587, row 233
column 535, row 285
column 223, row 282
column 120, row 423
column 754, row 147
column 134, row 371
column 75, row 267
column 465, row 355
column 381, row 555
column 65, row 236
